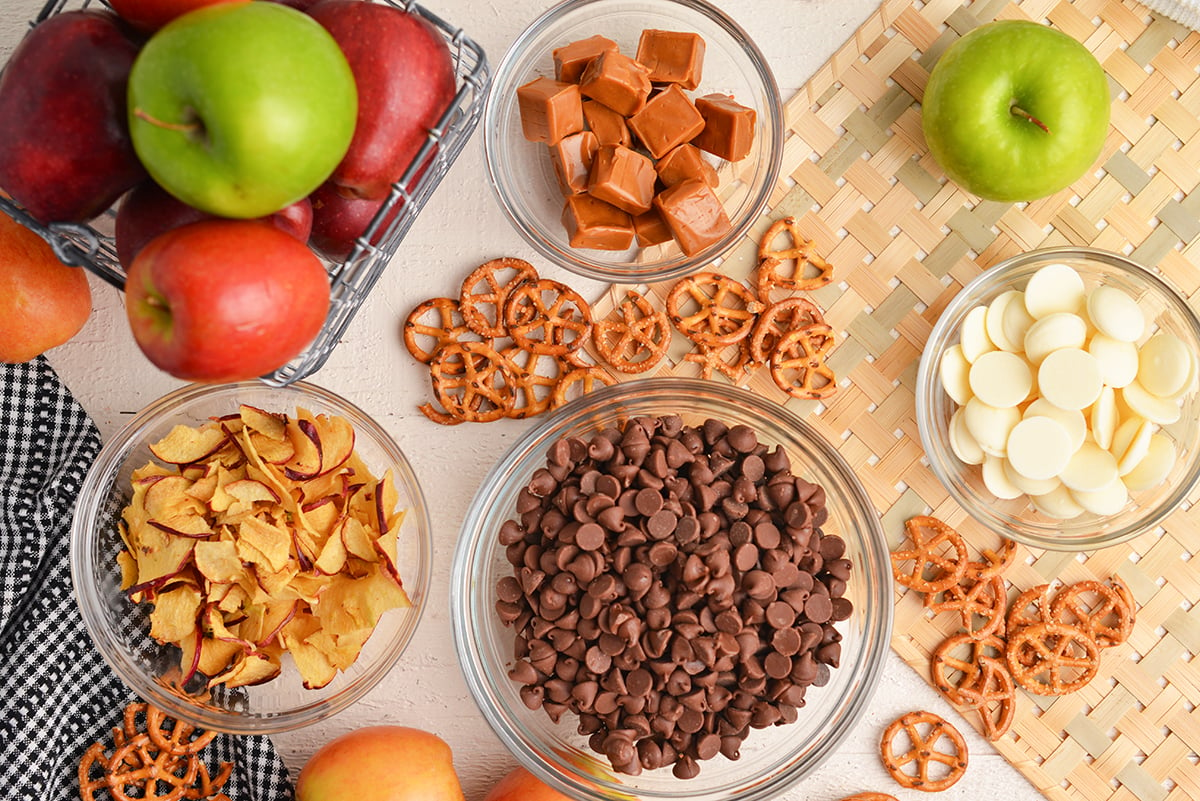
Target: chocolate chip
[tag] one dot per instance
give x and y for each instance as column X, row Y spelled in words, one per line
column 818, row 608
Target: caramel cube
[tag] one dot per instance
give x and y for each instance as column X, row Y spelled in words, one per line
column 694, row 214
column 571, row 59
column 592, row 223
column 672, row 56
column 728, row 127
column 651, row 229
column 550, row 110
column 668, row 120
column 608, row 126
column 617, row 81
column 622, row 177
column 572, row 158
column 684, row 163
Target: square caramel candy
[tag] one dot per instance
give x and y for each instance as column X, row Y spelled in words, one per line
column 617, row 81
column 683, row 163
column 728, row 127
column 668, row 120
column 622, row 177
column 608, row 126
column 572, row 158
column 651, row 229
column 550, row 110
column 594, row 224
column 694, row 214
column 672, row 56
column 570, row 59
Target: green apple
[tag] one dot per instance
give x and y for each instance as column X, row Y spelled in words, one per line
column 241, row 108
column 1016, row 111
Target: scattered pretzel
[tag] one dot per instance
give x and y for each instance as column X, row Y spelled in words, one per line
column 770, row 259
column 776, row 320
column 535, row 377
column 483, row 311
column 1097, row 608
column 579, row 381
column 472, row 381
column 993, row 696
column 733, row 366
column 798, row 363
column 983, row 599
column 994, row 563
column 1029, row 608
column 1052, row 658
column 545, row 316
column 638, row 340
column 946, row 663
column 712, row 309
column 921, row 752
column 930, row 538
column 449, row 327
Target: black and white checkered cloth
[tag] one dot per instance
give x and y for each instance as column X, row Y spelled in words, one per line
column 57, row 695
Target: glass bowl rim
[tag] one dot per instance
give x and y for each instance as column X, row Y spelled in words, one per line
column 115, row 452
column 940, row 336
column 472, row 549
column 571, row 259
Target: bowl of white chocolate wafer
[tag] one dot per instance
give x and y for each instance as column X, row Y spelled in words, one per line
column 1057, row 398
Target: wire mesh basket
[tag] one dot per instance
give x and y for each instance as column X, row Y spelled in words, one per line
column 92, row 246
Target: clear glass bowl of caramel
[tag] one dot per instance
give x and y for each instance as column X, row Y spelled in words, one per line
column 671, row 164
column 771, row 757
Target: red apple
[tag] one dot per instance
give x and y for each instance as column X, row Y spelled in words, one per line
column 521, row 785
column 150, row 210
column 65, row 151
column 381, row 763
column 405, row 79
column 43, row 302
column 338, row 220
column 225, row 300
column 150, row 15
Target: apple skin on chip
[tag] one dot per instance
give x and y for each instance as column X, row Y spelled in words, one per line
column 1015, row 111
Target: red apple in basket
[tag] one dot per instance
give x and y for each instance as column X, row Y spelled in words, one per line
column 150, row 15
column 149, row 210
column 338, row 220
column 65, row 151
column 225, row 300
column 405, row 79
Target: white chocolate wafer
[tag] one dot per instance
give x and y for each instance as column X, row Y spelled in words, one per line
column 1069, row 378
column 1118, row 360
column 989, row 425
column 1016, row 323
column 1027, row 485
column 1163, row 411
column 1071, row 419
column 962, row 443
column 996, row 481
column 995, row 320
column 1054, row 331
column 1115, row 313
column 1103, row 418
column 1155, row 466
column 1131, row 443
column 954, row 369
column 1001, row 379
column 1039, row 448
column 1054, row 288
column 1108, row 500
column 1091, row 468
column 973, row 335
column 1058, row 504
column 1164, row 365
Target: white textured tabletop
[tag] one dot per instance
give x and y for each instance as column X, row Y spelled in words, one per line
column 461, row 227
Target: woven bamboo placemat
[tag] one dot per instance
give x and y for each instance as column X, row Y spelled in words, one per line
column 859, row 179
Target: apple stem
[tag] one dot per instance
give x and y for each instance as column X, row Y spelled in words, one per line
column 186, row 127
column 1023, row 114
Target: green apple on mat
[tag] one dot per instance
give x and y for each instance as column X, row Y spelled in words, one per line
column 241, row 108
column 1016, row 110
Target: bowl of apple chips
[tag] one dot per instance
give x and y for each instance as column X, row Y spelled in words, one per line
column 251, row 559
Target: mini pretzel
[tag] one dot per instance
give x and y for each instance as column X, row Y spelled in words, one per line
column 94, row 758
column 535, row 377
column 636, row 342
column 930, row 538
column 439, row 416
column 945, row 663
column 472, row 381
column 178, row 738
column 484, row 293
column 984, row 599
column 922, row 753
column 449, row 327
column 579, row 381
column 798, row 363
column 770, row 259
column 776, row 320
column 716, row 358
column 1030, row 607
column 994, row 562
column 1097, row 608
column 994, row 687
column 712, row 309
column 140, row 766
column 1052, row 658
column 557, row 327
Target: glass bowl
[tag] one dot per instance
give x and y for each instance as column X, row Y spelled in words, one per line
column 523, row 177
column 772, row 758
column 120, row 629
column 1164, row 309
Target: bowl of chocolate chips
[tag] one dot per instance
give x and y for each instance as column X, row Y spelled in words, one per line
column 671, row 588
